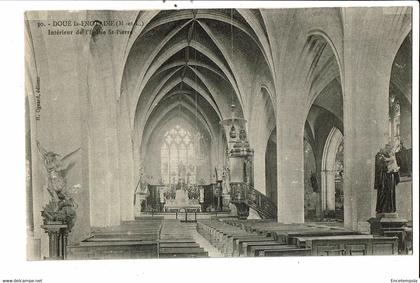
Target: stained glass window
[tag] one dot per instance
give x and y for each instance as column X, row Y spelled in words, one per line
column 178, row 156
column 394, row 121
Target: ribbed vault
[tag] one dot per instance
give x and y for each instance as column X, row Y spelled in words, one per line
column 188, row 58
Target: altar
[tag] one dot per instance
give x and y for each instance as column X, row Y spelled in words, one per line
column 182, row 203
column 183, row 198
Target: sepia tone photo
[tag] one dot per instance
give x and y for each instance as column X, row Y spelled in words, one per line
column 194, row 133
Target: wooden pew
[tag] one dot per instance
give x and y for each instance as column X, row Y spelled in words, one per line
column 349, row 245
column 181, row 241
column 224, row 238
column 218, row 233
column 132, row 239
column 245, row 249
column 112, row 250
column 278, row 250
column 229, row 238
column 182, row 253
column 179, row 245
column 290, row 237
column 301, row 239
column 239, row 241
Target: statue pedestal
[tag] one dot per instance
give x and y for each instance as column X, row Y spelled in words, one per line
column 390, row 225
column 57, row 235
column 217, row 192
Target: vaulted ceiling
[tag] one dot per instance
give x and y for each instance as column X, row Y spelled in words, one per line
column 201, row 57
column 401, row 73
column 325, row 97
column 189, row 56
column 326, row 90
column 201, row 60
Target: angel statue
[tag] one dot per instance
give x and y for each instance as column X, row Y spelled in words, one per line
column 61, row 206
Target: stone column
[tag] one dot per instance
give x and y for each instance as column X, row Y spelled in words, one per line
column 368, row 58
column 330, row 179
column 126, row 164
column 104, row 185
column 290, row 175
column 259, row 167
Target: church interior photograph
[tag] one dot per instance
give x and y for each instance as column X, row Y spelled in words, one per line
column 194, row 133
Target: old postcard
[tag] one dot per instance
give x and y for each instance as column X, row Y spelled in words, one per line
column 219, row 132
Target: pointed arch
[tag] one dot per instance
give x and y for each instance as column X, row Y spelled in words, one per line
column 328, row 170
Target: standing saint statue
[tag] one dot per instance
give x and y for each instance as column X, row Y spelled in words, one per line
column 386, row 179
column 314, row 182
column 225, row 180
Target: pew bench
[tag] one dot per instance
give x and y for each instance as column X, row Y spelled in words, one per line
column 181, row 241
column 239, row 241
column 122, row 237
column 182, row 252
column 245, row 249
column 349, row 245
column 228, row 243
column 275, row 227
column 179, row 245
column 112, row 250
column 278, row 250
column 290, row 238
column 225, row 240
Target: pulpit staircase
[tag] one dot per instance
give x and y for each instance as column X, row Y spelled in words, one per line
column 259, row 202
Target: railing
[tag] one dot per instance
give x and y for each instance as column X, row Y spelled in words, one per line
column 185, row 216
column 244, row 193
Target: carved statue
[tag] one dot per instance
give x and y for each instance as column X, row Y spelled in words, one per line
column 232, row 132
column 61, row 207
column 386, row 179
column 242, row 135
column 314, row 182
column 141, row 192
column 225, row 180
column 142, row 186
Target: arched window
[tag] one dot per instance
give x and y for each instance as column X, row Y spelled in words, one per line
column 394, row 121
column 178, row 157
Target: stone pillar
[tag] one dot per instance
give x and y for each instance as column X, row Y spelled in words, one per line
column 290, row 164
column 125, row 161
column 104, row 175
column 365, row 131
column 259, row 167
column 367, row 67
column 330, row 182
